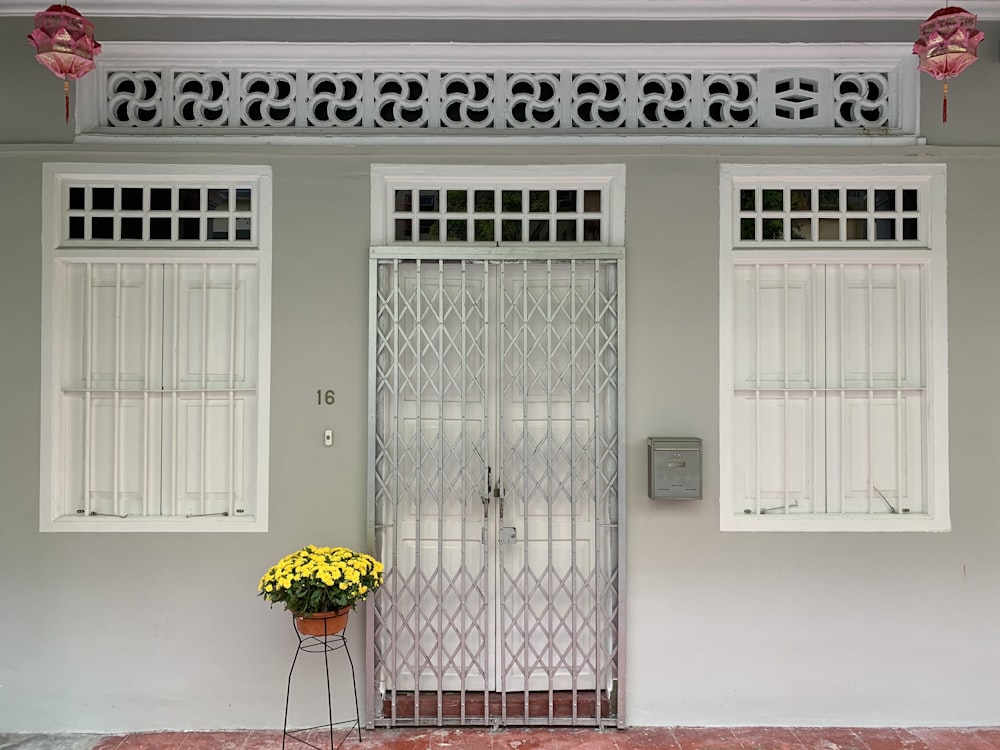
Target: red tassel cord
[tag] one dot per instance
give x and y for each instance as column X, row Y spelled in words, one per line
column 66, row 94
column 944, row 104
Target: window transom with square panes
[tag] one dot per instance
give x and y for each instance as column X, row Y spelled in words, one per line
column 131, row 212
column 498, row 215
column 557, row 206
column 828, row 214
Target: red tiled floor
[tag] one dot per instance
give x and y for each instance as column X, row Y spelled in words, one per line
column 990, row 736
column 646, row 738
column 554, row 739
column 154, row 741
column 640, row 738
column 950, row 739
column 213, row 741
column 888, row 738
column 774, row 738
column 467, row 739
column 111, row 742
column 829, row 738
column 705, row 738
column 427, row 738
column 266, row 741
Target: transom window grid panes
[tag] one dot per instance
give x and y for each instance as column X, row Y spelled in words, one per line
column 158, row 387
column 499, row 215
column 132, row 213
column 814, row 214
column 830, row 389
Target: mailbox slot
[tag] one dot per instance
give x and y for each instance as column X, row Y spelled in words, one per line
column 674, row 468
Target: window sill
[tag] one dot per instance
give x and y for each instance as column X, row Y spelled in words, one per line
column 242, row 523
column 837, row 523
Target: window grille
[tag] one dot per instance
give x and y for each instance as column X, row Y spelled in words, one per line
column 832, row 347
column 155, row 366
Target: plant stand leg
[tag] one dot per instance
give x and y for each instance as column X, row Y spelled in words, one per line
column 329, row 695
column 324, row 644
column 354, row 682
column 288, row 695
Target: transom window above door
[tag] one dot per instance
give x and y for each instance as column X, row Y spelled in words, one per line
column 127, row 212
column 499, row 215
column 497, row 206
column 806, row 215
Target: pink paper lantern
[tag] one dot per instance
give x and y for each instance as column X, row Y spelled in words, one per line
column 64, row 43
column 948, row 44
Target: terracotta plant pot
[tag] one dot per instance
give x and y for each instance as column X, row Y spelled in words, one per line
column 322, row 623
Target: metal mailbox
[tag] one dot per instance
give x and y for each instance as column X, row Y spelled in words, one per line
column 674, row 468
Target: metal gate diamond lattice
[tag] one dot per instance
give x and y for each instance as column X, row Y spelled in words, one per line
column 496, row 491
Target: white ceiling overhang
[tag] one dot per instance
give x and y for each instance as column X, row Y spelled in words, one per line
column 677, row 10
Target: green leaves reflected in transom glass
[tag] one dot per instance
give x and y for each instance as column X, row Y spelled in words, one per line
column 825, row 214
column 498, row 215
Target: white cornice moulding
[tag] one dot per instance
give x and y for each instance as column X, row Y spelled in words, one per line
column 513, row 57
column 604, row 10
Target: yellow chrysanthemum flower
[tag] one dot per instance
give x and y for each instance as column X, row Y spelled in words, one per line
column 316, row 579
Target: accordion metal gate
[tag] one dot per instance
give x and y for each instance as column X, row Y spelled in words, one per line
column 495, row 493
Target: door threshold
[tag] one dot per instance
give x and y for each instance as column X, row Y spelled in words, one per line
column 450, row 704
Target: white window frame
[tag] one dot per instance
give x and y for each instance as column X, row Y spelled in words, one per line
column 929, row 250
column 57, row 248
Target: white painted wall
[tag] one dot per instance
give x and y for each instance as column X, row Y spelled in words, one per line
column 116, row 632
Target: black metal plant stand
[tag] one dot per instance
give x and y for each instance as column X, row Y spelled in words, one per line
column 322, row 644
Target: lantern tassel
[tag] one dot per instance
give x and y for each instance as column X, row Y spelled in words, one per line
column 66, row 94
column 944, row 104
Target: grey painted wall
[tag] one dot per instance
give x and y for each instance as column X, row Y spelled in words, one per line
column 112, row 632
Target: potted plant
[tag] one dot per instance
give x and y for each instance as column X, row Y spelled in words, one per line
column 321, row 585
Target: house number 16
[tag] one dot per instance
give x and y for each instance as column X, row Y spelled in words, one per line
column 324, row 397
